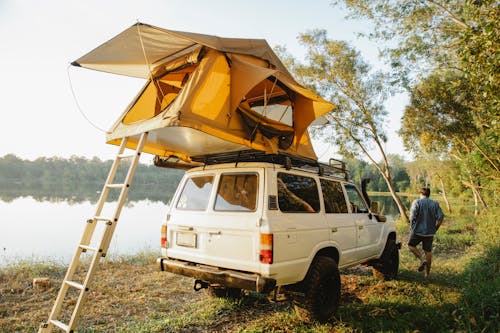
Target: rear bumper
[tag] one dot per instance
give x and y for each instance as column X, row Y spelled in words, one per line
column 215, row 275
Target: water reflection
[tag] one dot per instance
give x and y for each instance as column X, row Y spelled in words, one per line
column 84, row 192
column 35, row 229
column 388, row 206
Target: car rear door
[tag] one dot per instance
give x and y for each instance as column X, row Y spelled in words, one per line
column 215, row 220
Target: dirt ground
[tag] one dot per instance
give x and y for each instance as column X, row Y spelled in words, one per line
column 130, row 297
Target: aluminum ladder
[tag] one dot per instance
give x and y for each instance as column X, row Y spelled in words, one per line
column 99, row 251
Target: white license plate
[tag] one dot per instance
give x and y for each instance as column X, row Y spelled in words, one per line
column 187, row 239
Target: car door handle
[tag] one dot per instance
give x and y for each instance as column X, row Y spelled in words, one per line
column 335, row 229
column 215, row 233
column 360, row 227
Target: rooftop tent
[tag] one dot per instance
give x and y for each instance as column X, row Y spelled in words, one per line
column 206, row 94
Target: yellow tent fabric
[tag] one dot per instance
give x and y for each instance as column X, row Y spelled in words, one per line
column 207, row 94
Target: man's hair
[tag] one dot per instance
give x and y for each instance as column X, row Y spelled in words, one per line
column 425, row 191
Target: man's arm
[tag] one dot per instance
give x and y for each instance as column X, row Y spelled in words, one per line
column 439, row 216
column 438, row 224
column 413, row 212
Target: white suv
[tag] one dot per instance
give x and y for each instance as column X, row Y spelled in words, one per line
column 280, row 223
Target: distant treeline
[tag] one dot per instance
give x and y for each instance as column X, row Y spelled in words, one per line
column 80, row 179
column 359, row 169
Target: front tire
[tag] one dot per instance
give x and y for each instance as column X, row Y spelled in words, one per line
column 386, row 268
column 321, row 292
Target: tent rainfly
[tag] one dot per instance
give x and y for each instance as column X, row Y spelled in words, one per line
column 206, row 94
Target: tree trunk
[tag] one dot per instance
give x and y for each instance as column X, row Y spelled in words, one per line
column 477, row 195
column 388, row 179
column 474, row 194
column 396, row 198
column 445, row 197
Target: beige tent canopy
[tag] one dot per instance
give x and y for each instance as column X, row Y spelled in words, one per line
column 206, row 94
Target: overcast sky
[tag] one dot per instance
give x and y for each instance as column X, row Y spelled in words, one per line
column 39, row 116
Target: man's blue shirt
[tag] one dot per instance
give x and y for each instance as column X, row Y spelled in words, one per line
column 424, row 214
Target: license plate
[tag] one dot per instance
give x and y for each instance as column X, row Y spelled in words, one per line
column 187, row 239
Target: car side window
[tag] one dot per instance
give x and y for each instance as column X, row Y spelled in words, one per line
column 196, row 193
column 333, row 197
column 297, row 194
column 358, row 205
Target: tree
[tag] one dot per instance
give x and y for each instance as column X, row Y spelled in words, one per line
column 440, row 120
column 356, row 126
column 430, row 171
column 449, row 52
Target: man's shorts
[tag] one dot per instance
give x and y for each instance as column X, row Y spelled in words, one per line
column 426, row 241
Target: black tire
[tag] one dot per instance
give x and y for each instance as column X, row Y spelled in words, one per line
column 321, row 289
column 386, row 268
column 223, row 292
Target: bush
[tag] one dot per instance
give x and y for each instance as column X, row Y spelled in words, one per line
column 481, row 280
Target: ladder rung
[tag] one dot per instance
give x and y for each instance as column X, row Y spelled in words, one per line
column 74, row 284
column 59, row 324
column 88, row 248
column 102, row 218
column 116, row 185
column 127, row 155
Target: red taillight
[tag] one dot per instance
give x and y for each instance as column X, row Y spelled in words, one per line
column 164, row 236
column 266, row 248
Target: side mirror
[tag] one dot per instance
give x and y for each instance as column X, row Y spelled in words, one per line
column 374, row 207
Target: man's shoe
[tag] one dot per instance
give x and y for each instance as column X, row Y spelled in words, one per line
column 422, row 266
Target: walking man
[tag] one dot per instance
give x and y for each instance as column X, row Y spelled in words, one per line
column 425, row 219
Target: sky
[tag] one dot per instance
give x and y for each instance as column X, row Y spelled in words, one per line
column 49, row 108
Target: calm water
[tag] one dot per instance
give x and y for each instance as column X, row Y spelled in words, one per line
column 36, row 230
column 50, row 228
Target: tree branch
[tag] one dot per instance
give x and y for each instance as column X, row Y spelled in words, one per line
column 452, row 16
column 485, row 155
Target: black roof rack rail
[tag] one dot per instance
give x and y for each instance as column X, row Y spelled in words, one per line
column 334, row 167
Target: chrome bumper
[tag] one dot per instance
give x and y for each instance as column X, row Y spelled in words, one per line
column 215, row 275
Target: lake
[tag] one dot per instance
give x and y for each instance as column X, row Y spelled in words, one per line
column 45, row 227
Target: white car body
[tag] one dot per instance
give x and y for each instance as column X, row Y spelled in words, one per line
column 220, row 244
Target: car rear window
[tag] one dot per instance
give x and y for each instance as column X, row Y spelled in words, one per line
column 196, row 193
column 237, row 192
column 297, row 194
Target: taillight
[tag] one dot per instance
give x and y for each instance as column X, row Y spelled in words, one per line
column 266, row 248
column 164, row 236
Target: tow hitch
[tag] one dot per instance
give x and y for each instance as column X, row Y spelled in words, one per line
column 199, row 285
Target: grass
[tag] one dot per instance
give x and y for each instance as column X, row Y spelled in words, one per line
column 130, row 294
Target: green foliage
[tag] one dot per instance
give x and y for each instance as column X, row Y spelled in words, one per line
column 481, row 279
column 359, row 169
column 437, row 118
column 80, row 179
column 446, row 53
column 337, row 71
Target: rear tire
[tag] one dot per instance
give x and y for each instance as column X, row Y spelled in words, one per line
column 321, row 289
column 386, row 268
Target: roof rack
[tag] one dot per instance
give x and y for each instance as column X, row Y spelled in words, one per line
column 334, row 167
